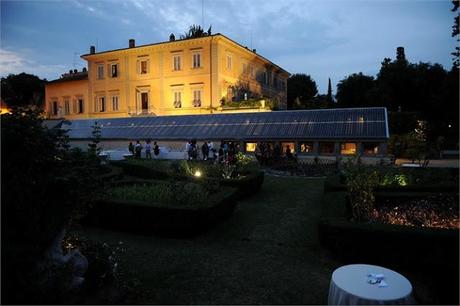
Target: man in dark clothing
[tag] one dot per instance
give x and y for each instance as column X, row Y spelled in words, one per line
column 205, row 151
column 156, row 149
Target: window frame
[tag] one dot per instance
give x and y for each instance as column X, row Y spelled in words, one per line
column 196, row 59
column 229, row 64
column 55, row 107
column 177, row 65
column 177, row 103
column 67, row 106
column 101, row 104
column 197, row 102
column 115, row 99
column 80, row 106
column 344, row 150
column 100, row 71
column 117, row 72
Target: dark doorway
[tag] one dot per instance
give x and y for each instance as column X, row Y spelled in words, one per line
column 145, row 101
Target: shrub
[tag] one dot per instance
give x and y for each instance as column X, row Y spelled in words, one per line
column 360, row 181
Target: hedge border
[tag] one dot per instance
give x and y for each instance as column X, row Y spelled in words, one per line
column 137, row 217
column 385, row 243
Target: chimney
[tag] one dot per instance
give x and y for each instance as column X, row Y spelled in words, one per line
column 75, row 71
column 172, row 37
column 254, row 50
column 92, row 50
column 132, row 43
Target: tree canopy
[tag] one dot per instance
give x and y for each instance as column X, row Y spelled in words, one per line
column 301, row 89
column 357, row 90
column 195, row 31
column 23, row 89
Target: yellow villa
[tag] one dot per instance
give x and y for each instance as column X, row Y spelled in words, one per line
column 210, row 74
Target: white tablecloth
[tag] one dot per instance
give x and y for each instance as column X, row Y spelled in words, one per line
column 349, row 286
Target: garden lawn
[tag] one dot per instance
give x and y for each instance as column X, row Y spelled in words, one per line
column 266, row 253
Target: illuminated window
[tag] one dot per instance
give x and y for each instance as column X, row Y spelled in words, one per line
column 196, row 98
column 177, row 63
column 371, row 148
column 251, row 146
column 177, row 99
column 288, row 146
column 196, row 60
column 143, row 66
column 114, row 70
column 326, row 147
column 66, row 107
column 348, row 148
column 100, row 71
column 115, row 103
column 229, row 62
column 80, row 106
column 306, row 147
column 55, row 108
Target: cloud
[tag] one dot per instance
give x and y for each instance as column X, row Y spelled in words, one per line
column 15, row 63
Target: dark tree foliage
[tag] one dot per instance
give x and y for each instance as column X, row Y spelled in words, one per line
column 195, row 31
column 43, row 185
column 455, row 33
column 301, row 89
column 357, row 90
column 23, row 89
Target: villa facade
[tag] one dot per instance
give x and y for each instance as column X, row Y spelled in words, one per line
column 205, row 75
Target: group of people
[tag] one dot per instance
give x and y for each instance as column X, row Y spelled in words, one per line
column 226, row 151
column 136, row 150
column 266, row 152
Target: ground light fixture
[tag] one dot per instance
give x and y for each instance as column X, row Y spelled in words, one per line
column 197, row 173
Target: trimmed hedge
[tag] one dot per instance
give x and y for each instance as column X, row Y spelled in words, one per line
column 141, row 217
column 139, row 170
column 385, row 243
column 248, row 185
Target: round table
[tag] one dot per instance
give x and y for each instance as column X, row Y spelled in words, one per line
column 349, row 286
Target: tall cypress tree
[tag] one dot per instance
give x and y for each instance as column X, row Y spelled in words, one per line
column 329, row 92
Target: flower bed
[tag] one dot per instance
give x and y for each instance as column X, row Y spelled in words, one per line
column 384, row 243
column 437, row 211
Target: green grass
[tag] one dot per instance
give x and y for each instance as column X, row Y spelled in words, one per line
column 267, row 253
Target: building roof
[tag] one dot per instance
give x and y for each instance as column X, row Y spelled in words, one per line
column 78, row 76
column 84, row 56
column 333, row 124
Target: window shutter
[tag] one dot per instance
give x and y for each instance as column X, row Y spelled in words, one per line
column 148, row 65
column 75, row 106
column 138, row 67
column 95, row 104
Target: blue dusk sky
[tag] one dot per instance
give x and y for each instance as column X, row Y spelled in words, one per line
column 320, row 38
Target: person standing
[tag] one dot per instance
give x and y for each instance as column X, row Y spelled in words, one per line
column 156, row 149
column 148, row 150
column 205, row 151
column 138, row 149
column 210, row 146
column 131, row 148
